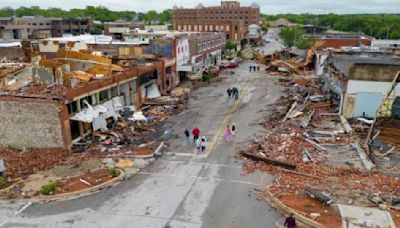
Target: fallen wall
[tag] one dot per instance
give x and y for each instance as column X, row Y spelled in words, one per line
column 29, row 124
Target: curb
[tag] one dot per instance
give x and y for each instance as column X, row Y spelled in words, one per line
column 81, row 193
column 74, row 195
column 286, row 210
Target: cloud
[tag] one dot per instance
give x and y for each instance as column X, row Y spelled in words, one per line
column 267, row 6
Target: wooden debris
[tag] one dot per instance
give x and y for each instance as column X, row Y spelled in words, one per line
column 316, row 145
column 271, row 161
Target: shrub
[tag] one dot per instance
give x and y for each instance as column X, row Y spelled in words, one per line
column 112, row 172
column 48, row 189
column 206, row 78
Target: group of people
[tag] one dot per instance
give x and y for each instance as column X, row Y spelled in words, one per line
column 230, row 132
column 254, row 68
column 233, row 92
column 200, row 141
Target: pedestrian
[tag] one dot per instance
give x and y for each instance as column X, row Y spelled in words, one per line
column 249, row 68
column 258, row 68
column 229, row 91
column 203, row 144
column 228, row 134
column 187, row 136
column 290, row 222
column 234, row 130
column 236, row 94
column 198, row 145
column 195, row 133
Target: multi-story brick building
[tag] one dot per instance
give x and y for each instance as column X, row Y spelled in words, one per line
column 42, row 27
column 229, row 17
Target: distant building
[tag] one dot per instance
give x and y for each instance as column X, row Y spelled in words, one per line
column 42, row 27
column 119, row 27
column 229, row 17
column 395, row 44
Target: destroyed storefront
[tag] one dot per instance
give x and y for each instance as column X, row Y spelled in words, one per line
column 357, row 83
column 57, row 102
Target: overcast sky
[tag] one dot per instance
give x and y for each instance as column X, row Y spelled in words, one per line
column 267, row 6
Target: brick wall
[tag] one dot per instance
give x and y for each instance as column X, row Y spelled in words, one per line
column 27, row 124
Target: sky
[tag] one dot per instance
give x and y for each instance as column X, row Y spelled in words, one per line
column 267, row 6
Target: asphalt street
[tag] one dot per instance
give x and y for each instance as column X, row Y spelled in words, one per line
column 181, row 189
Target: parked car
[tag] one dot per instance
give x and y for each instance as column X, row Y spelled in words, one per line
column 231, row 65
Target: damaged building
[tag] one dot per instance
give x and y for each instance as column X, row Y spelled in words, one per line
column 358, row 80
column 58, row 101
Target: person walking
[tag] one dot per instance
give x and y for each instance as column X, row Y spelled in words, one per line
column 187, row 136
column 195, row 133
column 290, row 222
column 198, row 145
column 249, row 68
column 228, row 134
column 229, row 91
column 258, row 68
column 203, row 144
column 236, row 93
column 234, row 131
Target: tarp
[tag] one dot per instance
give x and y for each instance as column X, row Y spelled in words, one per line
column 109, row 109
column 150, row 90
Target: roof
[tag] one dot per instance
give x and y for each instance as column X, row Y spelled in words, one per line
column 342, row 42
column 343, row 62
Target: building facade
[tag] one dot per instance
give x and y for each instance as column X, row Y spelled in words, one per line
column 42, row 27
column 230, row 17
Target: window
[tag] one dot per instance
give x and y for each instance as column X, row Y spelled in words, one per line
column 72, row 107
column 104, row 95
column 91, row 100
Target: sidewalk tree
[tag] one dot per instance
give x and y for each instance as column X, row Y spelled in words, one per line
column 230, row 45
column 292, row 35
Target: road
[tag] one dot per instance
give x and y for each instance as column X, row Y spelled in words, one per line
column 273, row 45
column 181, row 189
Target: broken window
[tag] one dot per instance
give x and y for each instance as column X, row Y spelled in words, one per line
column 114, row 91
column 89, row 100
column 72, row 107
column 104, row 96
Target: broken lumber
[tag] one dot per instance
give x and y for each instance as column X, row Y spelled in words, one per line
column 318, row 195
column 271, row 161
column 368, row 165
column 290, row 110
column 388, row 152
column 316, row 145
column 305, row 123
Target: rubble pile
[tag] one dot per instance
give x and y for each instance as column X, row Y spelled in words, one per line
column 40, row 89
column 27, row 162
column 303, row 146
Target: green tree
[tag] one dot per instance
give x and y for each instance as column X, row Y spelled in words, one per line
column 230, row 45
column 292, row 35
column 150, row 16
column 7, row 12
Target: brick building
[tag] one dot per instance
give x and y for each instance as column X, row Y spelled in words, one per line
column 229, row 17
column 42, row 27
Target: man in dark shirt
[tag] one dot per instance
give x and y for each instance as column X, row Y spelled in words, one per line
column 290, row 221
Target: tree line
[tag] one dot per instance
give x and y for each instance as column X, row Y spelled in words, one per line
column 382, row 26
column 99, row 13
